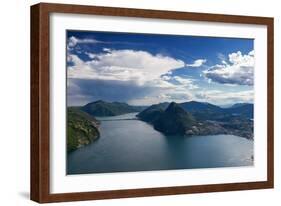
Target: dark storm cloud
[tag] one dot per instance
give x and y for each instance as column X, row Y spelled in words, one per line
column 82, row 91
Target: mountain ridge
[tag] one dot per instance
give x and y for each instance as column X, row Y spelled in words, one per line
column 175, row 119
column 102, row 108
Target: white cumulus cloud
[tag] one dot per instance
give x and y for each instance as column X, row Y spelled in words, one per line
column 131, row 74
column 185, row 83
column 73, row 41
column 238, row 70
column 197, row 63
column 140, row 67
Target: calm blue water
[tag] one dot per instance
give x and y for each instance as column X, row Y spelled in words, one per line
column 133, row 145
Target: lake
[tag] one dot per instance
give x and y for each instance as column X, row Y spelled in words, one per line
column 127, row 144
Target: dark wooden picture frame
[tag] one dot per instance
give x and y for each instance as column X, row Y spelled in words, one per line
column 40, row 98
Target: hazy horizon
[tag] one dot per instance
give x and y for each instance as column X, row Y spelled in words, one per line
column 223, row 105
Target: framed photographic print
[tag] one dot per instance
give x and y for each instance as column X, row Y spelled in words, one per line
column 131, row 102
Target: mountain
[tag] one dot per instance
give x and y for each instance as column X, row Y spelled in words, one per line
column 151, row 113
column 174, row 120
column 238, row 105
column 194, row 106
column 241, row 109
column 203, row 110
column 82, row 129
column 206, row 111
column 101, row 108
column 196, row 118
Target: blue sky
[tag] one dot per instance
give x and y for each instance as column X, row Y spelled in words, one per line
column 144, row 69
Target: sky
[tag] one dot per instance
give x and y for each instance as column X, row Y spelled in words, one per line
column 145, row 69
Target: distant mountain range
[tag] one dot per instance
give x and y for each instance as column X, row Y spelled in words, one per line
column 188, row 118
column 205, row 111
column 194, row 106
column 198, row 118
column 202, row 110
column 101, row 108
column 245, row 109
